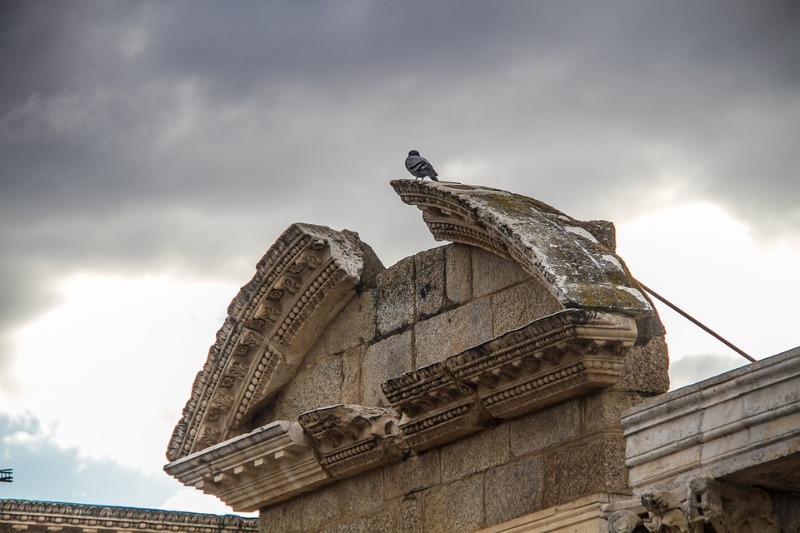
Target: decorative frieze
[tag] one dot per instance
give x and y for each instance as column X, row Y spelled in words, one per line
column 353, row 438
column 41, row 517
column 300, row 283
column 267, row 465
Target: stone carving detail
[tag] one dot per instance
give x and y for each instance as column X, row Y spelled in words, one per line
column 36, row 516
column 702, row 505
column 576, row 259
column 353, row 438
column 300, row 283
column 436, row 407
column 553, row 358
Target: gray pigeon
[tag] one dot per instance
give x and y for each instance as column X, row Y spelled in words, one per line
column 419, row 166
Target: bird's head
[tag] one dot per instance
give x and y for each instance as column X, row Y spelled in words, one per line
column 413, row 152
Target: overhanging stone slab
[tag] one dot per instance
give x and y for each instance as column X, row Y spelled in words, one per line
column 265, row 466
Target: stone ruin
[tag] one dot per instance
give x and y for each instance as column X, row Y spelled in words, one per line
column 514, row 380
column 461, row 388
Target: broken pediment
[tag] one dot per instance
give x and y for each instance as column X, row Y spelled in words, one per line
column 330, row 365
column 576, row 259
column 303, row 280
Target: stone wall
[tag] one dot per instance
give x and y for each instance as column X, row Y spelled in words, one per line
column 420, row 311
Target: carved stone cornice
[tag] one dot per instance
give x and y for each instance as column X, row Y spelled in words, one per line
column 702, row 504
column 575, row 259
column 436, row 407
column 267, row 465
column 353, row 438
column 299, row 285
column 37, row 516
column 554, row 358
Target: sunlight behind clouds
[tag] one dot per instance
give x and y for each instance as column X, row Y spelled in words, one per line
column 709, row 264
column 117, row 358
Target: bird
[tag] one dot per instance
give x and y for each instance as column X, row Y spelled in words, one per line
column 419, row 166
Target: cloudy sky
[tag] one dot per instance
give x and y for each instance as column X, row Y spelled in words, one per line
column 150, row 152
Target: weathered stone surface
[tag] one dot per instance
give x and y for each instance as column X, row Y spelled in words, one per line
column 458, row 270
column 49, row 517
column 744, row 419
column 455, row 507
column 352, row 362
column 383, row 360
column 587, row 468
column 475, row 453
column 429, row 286
column 319, row 385
column 412, row 475
column 491, row 273
column 452, row 332
column 395, row 297
column 362, row 493
column 521, row 304
column 514, row 489
column 647, row 368
column 580, row 269
column 540, row 430
column 320, row 508
column 354, row 325
column 603, row 410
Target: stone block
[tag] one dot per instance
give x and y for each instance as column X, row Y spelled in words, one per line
column 429, row 282
column 354, row 325
column 311, row 388
column 544, row 429
column 572, row 472
column 412, row 475
column 319, row 508
column 452, row 332
column 491, row 273
column 521, row 304
column 281, row 518
column 646, row 368
column 394, row 305
column 476, row 453
column 399, row 515
column 514, row 490
column 362, row 493
column 602, row 410
column 456, row 507
column 383, row 360
column 458, row 273
column 352, row 361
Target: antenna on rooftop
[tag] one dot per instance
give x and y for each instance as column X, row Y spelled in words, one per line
column 697, row 322
column 5, row 475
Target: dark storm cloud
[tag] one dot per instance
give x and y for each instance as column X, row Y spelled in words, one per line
column 154, row 136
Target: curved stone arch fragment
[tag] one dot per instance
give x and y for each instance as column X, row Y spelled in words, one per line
column 300, row 284
column 575, row 259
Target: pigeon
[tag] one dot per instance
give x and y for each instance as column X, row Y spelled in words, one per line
column 419, row 166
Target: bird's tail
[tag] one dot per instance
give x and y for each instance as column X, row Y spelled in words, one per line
column 434, row 178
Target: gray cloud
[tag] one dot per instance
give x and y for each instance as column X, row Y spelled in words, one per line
column 151, row 136
column 45, row 471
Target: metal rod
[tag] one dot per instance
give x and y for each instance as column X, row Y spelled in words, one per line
column 696, row 322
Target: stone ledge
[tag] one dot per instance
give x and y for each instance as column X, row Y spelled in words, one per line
column 718, row 427
column 35, row 516
column 265, row 466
